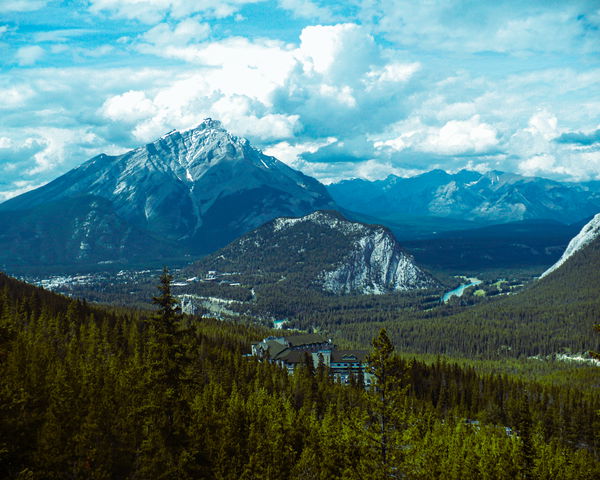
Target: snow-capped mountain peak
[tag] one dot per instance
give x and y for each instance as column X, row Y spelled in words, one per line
column 204, row 186
column 588, row 234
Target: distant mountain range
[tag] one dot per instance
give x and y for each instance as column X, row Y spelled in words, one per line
column 321, row 250
column 493, row 197
column 195, row 190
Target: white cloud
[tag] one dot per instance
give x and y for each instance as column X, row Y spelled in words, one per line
column 290, row 153
column 337, row 51
column 15, row 96
column 61, row 35
column 455, row 137
column 153, row 11
column 19, row 187
column 59, row 143
column 543, row 123
column 502, row 26
column 458, row 137
column 129, row 107
column 21, row 5
column 29, row 55
column 392, row 72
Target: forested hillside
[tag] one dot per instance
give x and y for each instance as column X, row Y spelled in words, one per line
column 556, row 314
column 96, row 393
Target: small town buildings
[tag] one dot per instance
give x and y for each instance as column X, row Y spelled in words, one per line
column 292, row 350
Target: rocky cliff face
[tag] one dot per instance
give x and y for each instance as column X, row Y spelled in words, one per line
column 199, row 189
column 589, row 233
column 325, row 251
column 376, row 265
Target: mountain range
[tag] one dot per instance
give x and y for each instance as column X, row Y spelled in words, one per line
column 190, row 193
column 484, row 198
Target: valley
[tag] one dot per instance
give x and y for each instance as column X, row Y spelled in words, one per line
column 485, row 317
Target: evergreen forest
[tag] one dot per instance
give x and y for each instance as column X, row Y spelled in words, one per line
column 113, row 393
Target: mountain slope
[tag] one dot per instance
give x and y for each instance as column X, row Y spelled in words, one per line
column 492, row 197
column 200, row 188
column 588, row 234
column 74, row 230
column 325, row 251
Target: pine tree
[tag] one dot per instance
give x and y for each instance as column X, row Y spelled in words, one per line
column 385, row 409
column 166, row 409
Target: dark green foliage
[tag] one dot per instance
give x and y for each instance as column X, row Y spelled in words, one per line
column 555, row 315
column 95, row 393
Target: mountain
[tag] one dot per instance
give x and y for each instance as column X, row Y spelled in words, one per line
column 589, row 234
column 198, row 189
column 322, row 250
column 493, row 197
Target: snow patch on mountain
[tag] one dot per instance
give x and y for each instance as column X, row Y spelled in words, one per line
column 588, row 234
column 322, row 219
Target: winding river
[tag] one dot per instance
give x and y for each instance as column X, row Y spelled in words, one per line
column 460, row 290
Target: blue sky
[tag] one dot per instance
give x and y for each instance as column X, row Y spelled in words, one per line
column 335, row 89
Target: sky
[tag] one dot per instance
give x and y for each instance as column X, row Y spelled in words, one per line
column 349, row 89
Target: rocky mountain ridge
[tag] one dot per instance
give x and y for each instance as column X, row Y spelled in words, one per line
column 325, row 251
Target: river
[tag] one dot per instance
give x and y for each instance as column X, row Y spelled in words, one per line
column 460, row 290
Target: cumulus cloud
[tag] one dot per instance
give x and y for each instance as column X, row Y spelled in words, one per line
column 455, row 137
column 459, row 137
column 29, row 55
column 128, row 107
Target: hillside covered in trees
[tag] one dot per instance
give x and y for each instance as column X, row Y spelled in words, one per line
column 88, row 392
